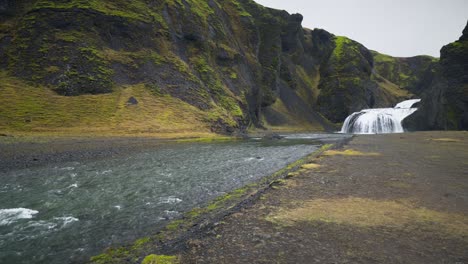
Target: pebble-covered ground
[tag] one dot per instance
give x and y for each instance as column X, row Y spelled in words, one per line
column 398, row 198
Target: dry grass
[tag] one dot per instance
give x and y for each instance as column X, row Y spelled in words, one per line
column 349, row 152
column 446, row 139
column 310, row 166
column 362, row 212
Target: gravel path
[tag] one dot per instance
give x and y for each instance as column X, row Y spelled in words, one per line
column 400, row 198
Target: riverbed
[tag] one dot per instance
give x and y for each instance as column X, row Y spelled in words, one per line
column 64, row 212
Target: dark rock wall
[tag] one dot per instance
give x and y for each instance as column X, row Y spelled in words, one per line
column 349, row 82
column 233, row 55
column 445, row 102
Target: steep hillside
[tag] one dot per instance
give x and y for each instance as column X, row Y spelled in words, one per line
column 233, row 64
column 230, row 59
column 445, row 102
column 349, row 83
column 413, row 74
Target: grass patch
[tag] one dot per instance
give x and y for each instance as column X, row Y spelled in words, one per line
column 363, row 212
column 310, row 166
column 349, row 152
column 446, row 139
column 160, row 259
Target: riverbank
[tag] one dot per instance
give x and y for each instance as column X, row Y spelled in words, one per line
column 398, row 198
column 26, row 151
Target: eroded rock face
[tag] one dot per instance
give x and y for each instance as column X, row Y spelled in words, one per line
column 413, row 74
column 258, row 65
column 445, row 103
column 236, row 55
column 351, row 81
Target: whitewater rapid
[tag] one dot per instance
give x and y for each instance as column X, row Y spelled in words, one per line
column 379, row 120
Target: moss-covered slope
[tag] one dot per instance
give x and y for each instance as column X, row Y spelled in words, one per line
column 239, row 64
column 413, row 74
column 231, row 59
column 350, row 82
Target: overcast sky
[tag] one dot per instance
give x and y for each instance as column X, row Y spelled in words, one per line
column 400, row 28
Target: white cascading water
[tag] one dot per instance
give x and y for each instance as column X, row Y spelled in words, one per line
column 379, row 120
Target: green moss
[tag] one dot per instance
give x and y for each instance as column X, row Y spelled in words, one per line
column 111, row 256
column 240, row 9
column 228, row 106
column 69, row 36
column 233, row 75
column 160, row 259
column 201, row 9
column 174, row 225
column 380, row 58
column 223, row 200
column 140, row 242
column 340, row 43
column 134, row 10
column 52, row 69
column 201, row 65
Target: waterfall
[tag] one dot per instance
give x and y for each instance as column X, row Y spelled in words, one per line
column 379, row 120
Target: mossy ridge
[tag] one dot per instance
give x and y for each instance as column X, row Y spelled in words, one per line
column 407, row 73
column 134, row 10
column 191, row 219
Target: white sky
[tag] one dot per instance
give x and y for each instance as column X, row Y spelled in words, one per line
column 400, row 28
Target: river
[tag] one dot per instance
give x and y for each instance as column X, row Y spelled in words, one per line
column 70, row 211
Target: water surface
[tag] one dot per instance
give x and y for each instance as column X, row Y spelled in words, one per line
column 70, row 211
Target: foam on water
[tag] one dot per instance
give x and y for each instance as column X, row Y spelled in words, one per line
column 379, row 120
column 66, row 220
column 75, row 185
column 169, row 200
column 407, row 103
column 8, row 216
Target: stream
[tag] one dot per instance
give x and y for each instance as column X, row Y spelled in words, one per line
column 70, row 211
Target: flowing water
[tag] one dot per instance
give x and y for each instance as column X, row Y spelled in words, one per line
column 379, row 120
column 67, row 212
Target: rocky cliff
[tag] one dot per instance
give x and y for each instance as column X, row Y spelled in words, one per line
column 221, row 65
column 445, row 101
column 350, row 82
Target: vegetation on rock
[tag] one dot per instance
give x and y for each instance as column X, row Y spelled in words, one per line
column 244, row 65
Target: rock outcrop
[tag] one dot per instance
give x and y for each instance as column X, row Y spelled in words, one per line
column 242, row 64
column 445, row 102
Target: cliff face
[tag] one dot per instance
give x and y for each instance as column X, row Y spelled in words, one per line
column 445, row 102
column 349, row 82
column 230, row 59
column 235, row 63
column 413, row 74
